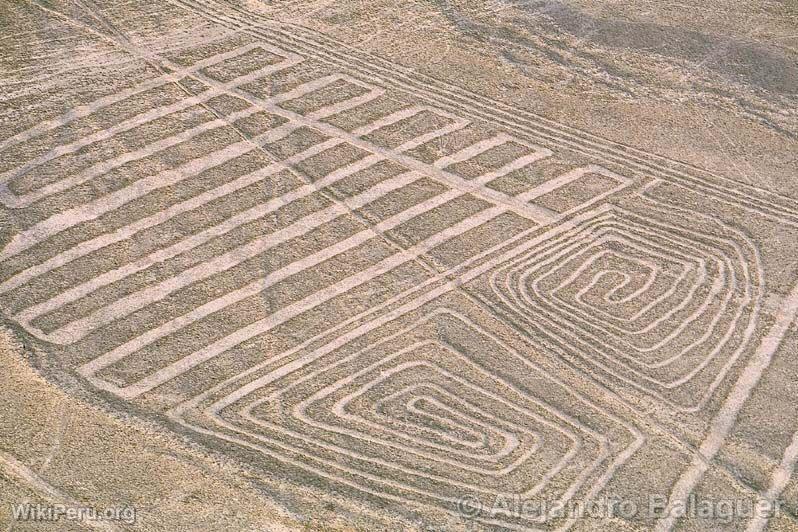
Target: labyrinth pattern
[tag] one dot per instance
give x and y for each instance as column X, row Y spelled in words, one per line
column 381, row 172
column 279, row 244
column 664, row 305
column 436, row 404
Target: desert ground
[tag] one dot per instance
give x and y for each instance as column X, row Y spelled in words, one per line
column 436, row 265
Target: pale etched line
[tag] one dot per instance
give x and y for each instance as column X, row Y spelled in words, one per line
column 778, row 481
column 653, row 271
column 569, row 177
column 90, row 368
column 514, row 165
column 634, row 241
column 299, row 410
column 15, row 468
column 92, row 107
column 195, row 240
column 222, row 302
column 86, row 247
column 553, row 131
column 454, row 419
column 387, row 120
column 76, row 292
column 747, row 333
column 340, row 409
column 105, row 134
column 511, row 440
column 473, row 439
column 473, row 150
column 277, row 133
column 609, row 296
column 332, row 109
column 279, row 373
column 81, row 327
column 307, row 88
column 419, row 406
column 426, row 288
column 127, row 305
column 717, row 286
column 538, row 214
column 299, row 413
column 325, row 81
column 346, row 105
column 456, row 124
column 131, row 123
column 252, row 288
column 220, row 346
column 733, row 329
column 90, row 211
column 569, row 493
column 308, row 153
column 463, row 272
column 11, row 200
column 285, row 453
column 724, row 421
column 61, row 221
column 448, row 96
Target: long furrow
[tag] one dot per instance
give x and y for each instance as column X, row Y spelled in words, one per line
column 320, row 297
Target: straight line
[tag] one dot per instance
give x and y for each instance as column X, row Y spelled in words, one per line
column 723, row 422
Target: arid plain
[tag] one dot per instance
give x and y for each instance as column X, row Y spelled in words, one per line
column 370, row 265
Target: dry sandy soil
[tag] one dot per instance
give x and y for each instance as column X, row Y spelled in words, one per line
column 367, row 265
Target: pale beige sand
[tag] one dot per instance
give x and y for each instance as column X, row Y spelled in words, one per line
column 59, row 450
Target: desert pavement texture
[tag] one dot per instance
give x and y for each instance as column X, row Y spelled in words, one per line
column 435, row 265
